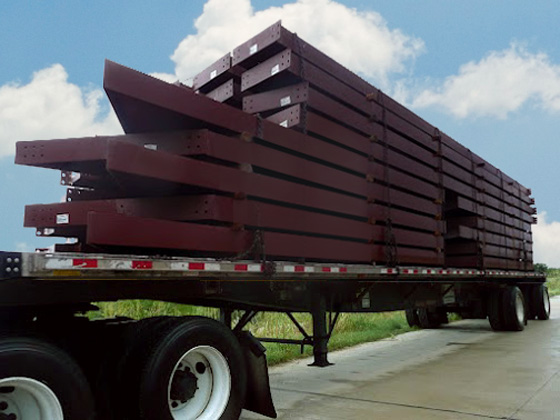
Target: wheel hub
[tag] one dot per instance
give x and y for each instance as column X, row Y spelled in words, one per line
column 4, row 411
column 520, row 309
column 8, row 410
column 27, row 398
column 200, row 385
column 183, row 385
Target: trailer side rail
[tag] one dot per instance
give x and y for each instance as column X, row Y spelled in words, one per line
column 81, row 266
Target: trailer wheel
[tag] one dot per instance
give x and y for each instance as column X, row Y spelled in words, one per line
column 514, row 309
column 540, row 302
column 41, row 382
column 412, row 317
column 195, row 370
column 495, row 310
column 428, row 319
column 117, row 378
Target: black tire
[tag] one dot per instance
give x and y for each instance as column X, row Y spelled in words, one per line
column 412, row 317
column 116, row 378
column 495, row 310
column 40, row 361
column 514, row 309
column 442, row 317
column 151, row 372
column 428, row 319
column 540, row 302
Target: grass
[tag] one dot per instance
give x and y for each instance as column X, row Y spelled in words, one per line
column 553, row 281
column 351, row 329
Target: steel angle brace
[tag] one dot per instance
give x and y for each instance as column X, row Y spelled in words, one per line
column 308, row 340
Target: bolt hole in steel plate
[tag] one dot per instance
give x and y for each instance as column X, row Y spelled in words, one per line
column 26, row 398
column 212, row 385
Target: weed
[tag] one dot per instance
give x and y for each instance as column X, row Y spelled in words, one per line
column 553, row 281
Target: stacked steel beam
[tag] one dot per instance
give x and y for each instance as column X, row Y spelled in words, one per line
column 278, row 150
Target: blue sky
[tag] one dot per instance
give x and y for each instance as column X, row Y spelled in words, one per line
column 486, row 73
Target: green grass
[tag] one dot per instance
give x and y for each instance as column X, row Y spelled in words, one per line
column 553, row 281
column 351, row 329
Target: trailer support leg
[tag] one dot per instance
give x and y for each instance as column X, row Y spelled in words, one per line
column 225, row 316
column 320, row 332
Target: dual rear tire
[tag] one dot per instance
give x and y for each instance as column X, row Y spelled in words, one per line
column 539, row 302
column 509, row 309
column 426, row 318
column 155, row 369
column 180, row 369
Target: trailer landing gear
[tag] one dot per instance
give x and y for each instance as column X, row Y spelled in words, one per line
column 321, row 333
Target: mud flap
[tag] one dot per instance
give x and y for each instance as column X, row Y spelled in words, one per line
column 258, row 397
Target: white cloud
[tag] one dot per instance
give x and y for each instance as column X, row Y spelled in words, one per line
column 361, row 40
column 500, row 83
column 23, row 247
column 546, row 241
column 51, row 107
column 166, row 77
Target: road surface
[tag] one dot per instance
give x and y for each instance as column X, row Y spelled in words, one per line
column 462, row 371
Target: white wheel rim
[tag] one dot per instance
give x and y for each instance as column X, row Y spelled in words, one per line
column 546, row 302
column 207, row 370
column 28, row 398
column 520, row 309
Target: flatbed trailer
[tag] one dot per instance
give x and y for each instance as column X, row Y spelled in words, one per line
column 303, row 161
column 55, row 363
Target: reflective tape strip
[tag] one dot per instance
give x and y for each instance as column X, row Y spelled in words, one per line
column 142, row 265
column 196, row 266
column 252, row 268
column 84, row 263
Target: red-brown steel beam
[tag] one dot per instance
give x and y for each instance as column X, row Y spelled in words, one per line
column 474, row 248
column 211, row 144
column 146, row 104
column 237, row 213
column 117, row 230
column 122, row 231
column 276, row 38
column 505, row 213
column 485, row 262
column 291, row 117
column 216, row 74
column 464, row 233
column 475, row 222
column 137, row 79
column 228, row 92
column 352, row 183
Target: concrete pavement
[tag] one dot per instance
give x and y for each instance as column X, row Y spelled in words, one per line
column 462, row 371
